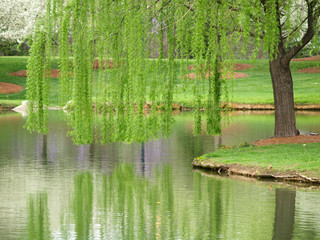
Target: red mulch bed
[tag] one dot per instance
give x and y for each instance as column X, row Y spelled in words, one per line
column 109, row 65
column 236, row 66
column 54, row 73
column 286, row 140
column 310, row 70
column 313, row 58
column 241, row 66
column 6, row 88
column 235, row 75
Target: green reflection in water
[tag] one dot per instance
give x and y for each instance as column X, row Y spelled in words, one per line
column 83, row 205
column 136, row 208
column 209, row 208
column 38, row 217
column 126, row 205
column 130, row 206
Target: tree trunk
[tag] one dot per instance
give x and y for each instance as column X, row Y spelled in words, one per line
column 285, row 120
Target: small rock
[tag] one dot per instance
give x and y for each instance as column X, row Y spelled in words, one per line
column 22, row 108
column 312, row 133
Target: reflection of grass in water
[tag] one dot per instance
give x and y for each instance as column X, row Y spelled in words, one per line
column 38, row 217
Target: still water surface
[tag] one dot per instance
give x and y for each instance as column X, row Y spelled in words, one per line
column 52, row 189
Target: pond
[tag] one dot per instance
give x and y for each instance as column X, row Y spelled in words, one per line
column 52, row 189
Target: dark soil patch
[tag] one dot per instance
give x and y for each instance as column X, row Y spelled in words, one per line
column 286, row 140
column 54, row 73
column 310, row 70
column 7, row 88
column 313, row 58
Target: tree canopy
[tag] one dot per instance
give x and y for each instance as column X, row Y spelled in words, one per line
column 126, row 34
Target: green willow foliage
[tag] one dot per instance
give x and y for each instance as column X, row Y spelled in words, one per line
column 120, row 37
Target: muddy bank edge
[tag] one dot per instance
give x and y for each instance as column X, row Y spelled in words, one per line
column 254, row 171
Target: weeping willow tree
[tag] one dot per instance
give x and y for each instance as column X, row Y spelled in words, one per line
column 120, row 37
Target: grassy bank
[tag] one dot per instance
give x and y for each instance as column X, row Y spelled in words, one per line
column 256, row 88
column 282, row 161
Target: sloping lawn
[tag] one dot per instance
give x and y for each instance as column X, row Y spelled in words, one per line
column 256, row 88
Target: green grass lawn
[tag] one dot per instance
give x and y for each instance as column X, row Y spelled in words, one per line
column 303, row 158
column 256, row 88
column 8, row 65
column 13, row 64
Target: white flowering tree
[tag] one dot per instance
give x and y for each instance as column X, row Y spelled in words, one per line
column 18, row 18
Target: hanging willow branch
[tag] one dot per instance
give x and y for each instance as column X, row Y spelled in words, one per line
column 127, row 80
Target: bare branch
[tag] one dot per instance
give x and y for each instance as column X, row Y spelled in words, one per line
column 189, row 7
column 153, row 4
column 296, row 28
column 162, row 7
column 313, row 15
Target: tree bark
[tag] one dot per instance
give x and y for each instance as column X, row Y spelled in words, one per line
column 285, row 120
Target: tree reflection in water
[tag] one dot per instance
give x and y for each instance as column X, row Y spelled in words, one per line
column 83, row 205
column 284, row 215
column 38, row 217
column 127, row 205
